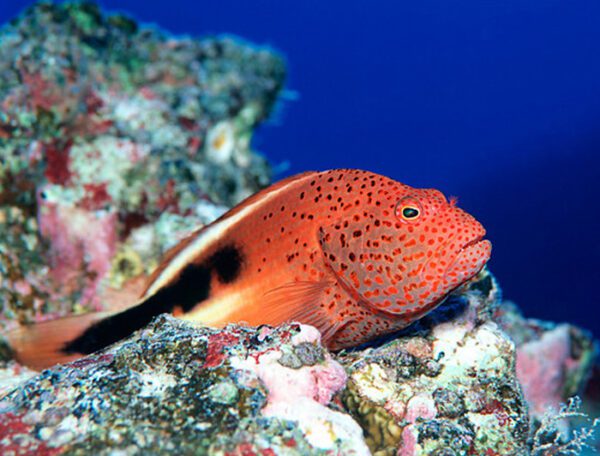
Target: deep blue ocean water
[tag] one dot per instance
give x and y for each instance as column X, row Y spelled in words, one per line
column 496, row 102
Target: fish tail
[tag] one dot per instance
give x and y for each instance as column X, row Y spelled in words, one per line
column 65, row 339
column 42, row 345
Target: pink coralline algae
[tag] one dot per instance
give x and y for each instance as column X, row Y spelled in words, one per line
column 79, row 239
column 541, row 369
column 554, row 361
column 301, row 394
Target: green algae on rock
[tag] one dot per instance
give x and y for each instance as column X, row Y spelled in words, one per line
column 178, row 387
column 116, row 140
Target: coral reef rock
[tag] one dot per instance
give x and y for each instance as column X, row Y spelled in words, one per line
column 474, row 377
column 448, row 387
column 115, row 141
column 177, row 387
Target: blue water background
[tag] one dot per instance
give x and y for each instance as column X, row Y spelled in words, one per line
column 497, row 102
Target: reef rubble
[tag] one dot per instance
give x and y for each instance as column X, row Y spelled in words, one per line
column 116, row 141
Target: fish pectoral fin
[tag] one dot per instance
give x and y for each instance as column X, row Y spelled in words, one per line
column 301, row 302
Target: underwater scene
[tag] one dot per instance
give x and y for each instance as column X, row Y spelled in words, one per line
column 299, row 228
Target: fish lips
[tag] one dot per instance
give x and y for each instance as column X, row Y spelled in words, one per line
column 470, row 259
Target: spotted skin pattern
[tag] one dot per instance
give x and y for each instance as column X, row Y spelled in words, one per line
column 353, row 253
column 360, row 269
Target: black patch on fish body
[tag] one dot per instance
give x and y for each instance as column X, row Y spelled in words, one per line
column 227, row 262
column 190, row 288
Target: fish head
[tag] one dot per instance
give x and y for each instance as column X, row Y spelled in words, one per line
column 439, row 247
column 404, row 249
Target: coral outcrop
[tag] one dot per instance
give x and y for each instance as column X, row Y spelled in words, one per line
column 115, row 141
column 448, row 388
column 176, row 387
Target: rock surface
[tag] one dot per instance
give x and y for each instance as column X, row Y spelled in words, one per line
column 449, row 385
column 448, row 388
column 177, row 387
column 115, row 141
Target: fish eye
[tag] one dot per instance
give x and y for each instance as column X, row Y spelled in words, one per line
column 410, row 212
column 408, row 209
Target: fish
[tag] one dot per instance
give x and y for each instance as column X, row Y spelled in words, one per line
column 353, row 253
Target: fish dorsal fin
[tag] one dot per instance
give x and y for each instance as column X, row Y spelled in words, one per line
column 193, row 246
column 296, row 301
column 365, row 268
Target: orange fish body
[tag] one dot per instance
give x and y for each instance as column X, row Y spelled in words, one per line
column 353, row 253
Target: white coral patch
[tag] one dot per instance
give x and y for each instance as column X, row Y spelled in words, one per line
column 307, row 334
column 220, row 142
column 485, row 348
column 374, row 383
column 155, row 383
column 139, row 113
column 88, row 163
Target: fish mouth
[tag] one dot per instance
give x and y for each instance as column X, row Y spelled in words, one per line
column 473, row 242
column 470, row 259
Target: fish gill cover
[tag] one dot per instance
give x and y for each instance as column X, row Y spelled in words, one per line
column 116, row 141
